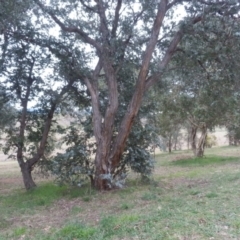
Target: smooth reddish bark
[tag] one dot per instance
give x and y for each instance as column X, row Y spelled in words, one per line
column 109, row 148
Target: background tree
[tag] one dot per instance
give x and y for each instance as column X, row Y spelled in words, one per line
column 167, row 117
column 7, row 111
column 205, row 82
column 30, row 83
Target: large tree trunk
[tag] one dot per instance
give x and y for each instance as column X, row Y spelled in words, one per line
column 102, row 172
column 27, row 176
column 202, row 141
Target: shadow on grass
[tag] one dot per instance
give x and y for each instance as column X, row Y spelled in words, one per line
column 22, row 200
column 43, row 195
column 204, row 161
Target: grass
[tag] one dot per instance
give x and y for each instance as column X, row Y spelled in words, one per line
column 23, row 202
column 206, row 160
column 44, row 195
column 76, row 231
column 188, row 199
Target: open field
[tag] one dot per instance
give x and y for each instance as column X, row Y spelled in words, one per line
column 187, row 199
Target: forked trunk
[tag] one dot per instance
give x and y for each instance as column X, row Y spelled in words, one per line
column 27, row 176
column 109, row 152
column 201, row 142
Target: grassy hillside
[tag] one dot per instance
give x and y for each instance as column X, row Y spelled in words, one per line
column 187, row 199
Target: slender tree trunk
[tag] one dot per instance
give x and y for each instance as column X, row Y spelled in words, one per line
column 193, row 139
column 229, row 140
column 26, row 167
column 27, row 176
column 175, row 145
column 170, row 144
column 202, row 141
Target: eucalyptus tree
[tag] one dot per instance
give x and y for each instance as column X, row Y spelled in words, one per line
column 167, row 116
column 170, row 130
column 232, row 122
column 27, row 85
column 114, row 34
column 208, row 77
column 75, row 165
column 35, row 82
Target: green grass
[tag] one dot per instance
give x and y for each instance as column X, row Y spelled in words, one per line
column 23, row 202
column 18, row 232
column 29, row 202
column 76, row 231
column 189, row 199
column 206, row 160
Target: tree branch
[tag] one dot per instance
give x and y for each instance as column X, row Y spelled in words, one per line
column 193, row 123
column 167, row 57
column 135, row 102
column 174, row 2
column 73, row 29
column 92, row 9
column 116, row 18
column 127, row 40
column 47, row 126
column 92, row 87
column 103, row 22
